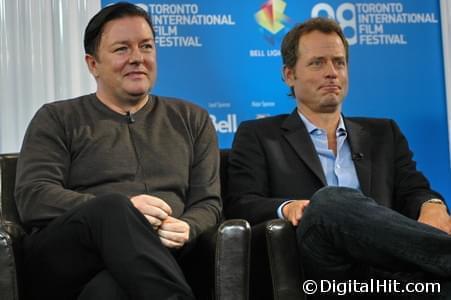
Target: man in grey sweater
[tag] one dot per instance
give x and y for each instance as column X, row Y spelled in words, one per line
column 113, row 185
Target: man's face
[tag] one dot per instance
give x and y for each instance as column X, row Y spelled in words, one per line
column 320, row 76
column 125, row 67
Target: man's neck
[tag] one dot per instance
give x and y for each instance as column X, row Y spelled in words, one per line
column 123, row 106
column 326, row 121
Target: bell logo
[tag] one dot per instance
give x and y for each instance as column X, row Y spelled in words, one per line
column 229, row 125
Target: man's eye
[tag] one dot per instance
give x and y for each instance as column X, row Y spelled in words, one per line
column 316, row 63
column 120, row 49
column 340, row 63
column 147, row 46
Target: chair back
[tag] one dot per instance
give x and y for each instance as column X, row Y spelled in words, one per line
column 9, row 216
column 223, row 172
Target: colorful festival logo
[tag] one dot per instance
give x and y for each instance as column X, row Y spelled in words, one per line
column 271, row 17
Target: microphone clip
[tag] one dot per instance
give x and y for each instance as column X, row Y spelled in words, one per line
column 357, row 156
column 130, row 118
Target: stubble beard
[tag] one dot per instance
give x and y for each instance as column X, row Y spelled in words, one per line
column 331, row 104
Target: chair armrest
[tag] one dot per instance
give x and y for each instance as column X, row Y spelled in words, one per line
column 284, row 260
column 232, row 260
column 8, row 275
column 217, row 265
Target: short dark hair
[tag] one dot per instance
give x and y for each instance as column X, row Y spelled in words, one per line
column 290, row 43
column 95, row 27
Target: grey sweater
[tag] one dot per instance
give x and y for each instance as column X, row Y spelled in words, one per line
column 77, row 149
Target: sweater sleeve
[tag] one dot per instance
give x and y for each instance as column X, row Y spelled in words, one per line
column 42, row 171
column 203, row 204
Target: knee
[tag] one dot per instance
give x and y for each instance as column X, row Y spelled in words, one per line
column 110, row 204
column 339, row 196
column 327, row 199
column 335, row 194
column 333, row 202
column 111, row 210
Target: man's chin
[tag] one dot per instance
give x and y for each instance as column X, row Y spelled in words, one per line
column 137, row 94
column 134, row 98
column 137, row 90
column 330, row 107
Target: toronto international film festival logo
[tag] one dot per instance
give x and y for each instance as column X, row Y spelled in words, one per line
column 272, row 19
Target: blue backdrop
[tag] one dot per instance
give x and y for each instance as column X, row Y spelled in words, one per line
column 224, row 55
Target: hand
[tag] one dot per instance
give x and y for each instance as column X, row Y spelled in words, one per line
column 174, row 233
column 294, row 210
column 435, row 215
column 153, row 208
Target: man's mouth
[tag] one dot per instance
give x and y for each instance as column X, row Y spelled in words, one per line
column 135, row 74
column 330, row 88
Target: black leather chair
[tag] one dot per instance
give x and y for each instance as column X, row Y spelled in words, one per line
column 217, row 269
column 286, row 271
column 275, row 267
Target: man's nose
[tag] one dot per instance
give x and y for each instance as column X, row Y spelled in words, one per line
column 331, row 69
column 136, row 56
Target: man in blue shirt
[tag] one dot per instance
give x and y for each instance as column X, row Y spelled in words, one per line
column 348, row 184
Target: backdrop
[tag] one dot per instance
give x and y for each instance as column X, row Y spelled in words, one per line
column 225, row 57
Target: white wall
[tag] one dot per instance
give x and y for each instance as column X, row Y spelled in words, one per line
column 41, row 59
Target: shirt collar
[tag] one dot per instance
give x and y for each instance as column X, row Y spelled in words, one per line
column 311, row 128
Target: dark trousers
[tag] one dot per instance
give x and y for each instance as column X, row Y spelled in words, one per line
column 345, row 235
column 103, row 249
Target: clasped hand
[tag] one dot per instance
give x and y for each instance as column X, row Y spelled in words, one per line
column 173, row 232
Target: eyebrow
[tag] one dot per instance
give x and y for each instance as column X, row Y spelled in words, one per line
column 322, row 57
column 126, row 42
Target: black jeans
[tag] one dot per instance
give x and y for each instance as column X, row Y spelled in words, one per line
column 103, row 249
column 344, row 235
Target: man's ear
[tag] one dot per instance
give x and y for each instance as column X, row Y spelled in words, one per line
column 92, row 64
column 288, row 76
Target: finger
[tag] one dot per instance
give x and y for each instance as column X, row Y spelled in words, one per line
column 154, row 211
column 173, row 236
column 169, row 243
column 172, row 223
column 294, row 220
column 141, row 202
column 290, row 214
column 155, row 222
column 175, row 226
column 298, row 212
column 155, row 201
